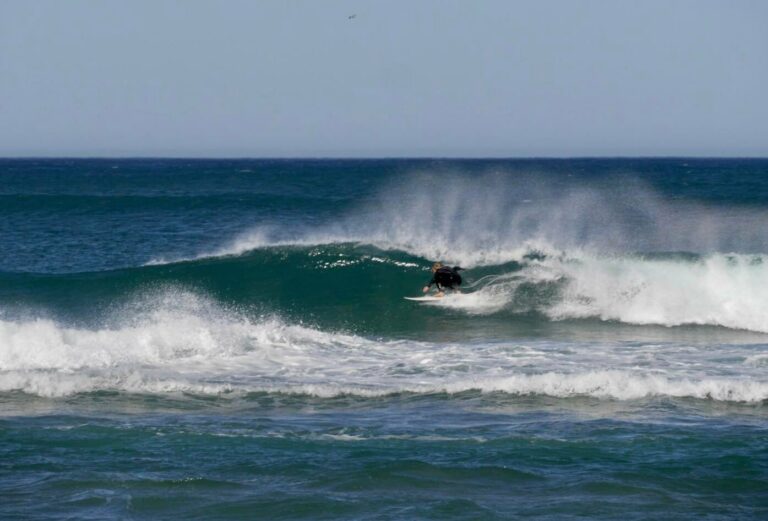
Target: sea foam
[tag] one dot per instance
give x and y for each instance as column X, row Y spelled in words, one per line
column 181, row 342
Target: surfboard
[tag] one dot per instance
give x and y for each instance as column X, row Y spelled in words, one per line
column 426, row 298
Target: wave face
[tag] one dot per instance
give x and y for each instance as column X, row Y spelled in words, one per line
column 331, row 285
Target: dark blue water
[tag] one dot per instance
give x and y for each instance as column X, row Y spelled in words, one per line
column 228, row 339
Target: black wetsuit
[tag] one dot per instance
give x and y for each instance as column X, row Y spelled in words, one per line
column 446, row 278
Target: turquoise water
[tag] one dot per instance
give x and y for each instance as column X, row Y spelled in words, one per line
column 228, row 339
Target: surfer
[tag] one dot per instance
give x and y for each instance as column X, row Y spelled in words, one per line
column 444, row 277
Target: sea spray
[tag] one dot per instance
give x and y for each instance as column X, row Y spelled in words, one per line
column 493, row 218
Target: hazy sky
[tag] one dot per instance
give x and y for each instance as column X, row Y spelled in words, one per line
column 402, row 78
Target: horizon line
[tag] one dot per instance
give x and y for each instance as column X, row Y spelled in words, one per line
column 373, row 158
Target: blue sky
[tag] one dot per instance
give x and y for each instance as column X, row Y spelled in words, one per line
column 401, row 78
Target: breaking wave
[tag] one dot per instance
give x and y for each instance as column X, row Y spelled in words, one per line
column 614, row 251
column 337, row 284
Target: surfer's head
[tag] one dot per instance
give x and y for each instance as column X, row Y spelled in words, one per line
column 436, row 266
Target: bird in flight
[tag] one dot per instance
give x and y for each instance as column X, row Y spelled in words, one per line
column 350, row 17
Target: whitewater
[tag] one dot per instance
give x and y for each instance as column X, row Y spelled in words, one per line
column 187, row 343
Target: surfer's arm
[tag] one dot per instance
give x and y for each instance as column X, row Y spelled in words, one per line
column 429, row 285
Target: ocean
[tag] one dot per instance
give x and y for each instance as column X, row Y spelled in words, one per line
column 228, row 339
